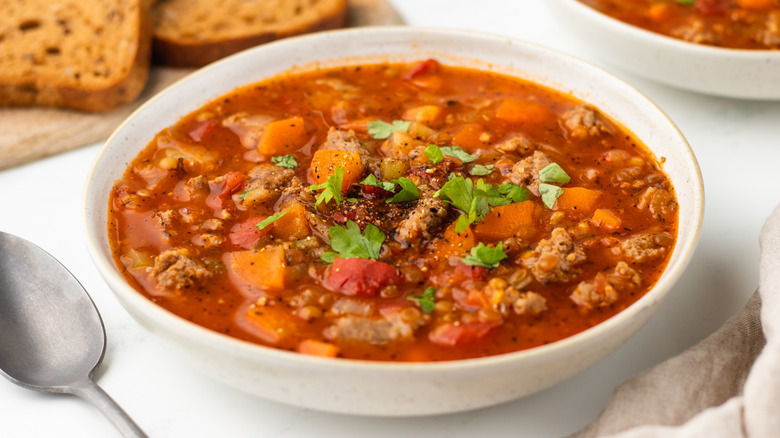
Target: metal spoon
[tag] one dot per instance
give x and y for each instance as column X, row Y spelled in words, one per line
column 51, row 336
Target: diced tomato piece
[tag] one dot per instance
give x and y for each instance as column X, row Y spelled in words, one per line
column 710, row 7
column 452, row 335
column 427, row 66
column 361, row 277
column 465, row 272
column 221, row 192
column 245, row 234
column 202, row 129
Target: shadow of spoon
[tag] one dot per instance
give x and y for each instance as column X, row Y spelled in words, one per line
column 51, row 336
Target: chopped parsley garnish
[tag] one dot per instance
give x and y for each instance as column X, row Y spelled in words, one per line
column 270, row 219
column 409, row 191
column 481, row 170
column 349, row 242
column 434, row 154
column 483, row 255
column 461, row 193
column 371, row 180
column 457, row 152
column 426, row 300
column 331, row 189
column 550, row 194
column 381, row 130
column 514, row 192
column 553, row 173
column 287, row 161
column 246, row 193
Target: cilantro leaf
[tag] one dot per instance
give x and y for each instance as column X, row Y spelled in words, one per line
column 349, row 242
column 270, row 219
column 686, row 2
column 455, row 151
column 371, row 180
column 380, row 130
column 481, row 170
column 426, row 300
column 434, row 154
column 483, row 255
column 409, row 191
column 553, row 173
column 286, row 161
column 550, row 194
column 331, row 189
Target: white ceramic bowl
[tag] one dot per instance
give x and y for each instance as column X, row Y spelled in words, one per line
column 386, row 388
column 748, row 74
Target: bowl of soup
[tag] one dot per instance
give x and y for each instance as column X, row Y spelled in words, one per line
column 394, row 221
column 728, row 48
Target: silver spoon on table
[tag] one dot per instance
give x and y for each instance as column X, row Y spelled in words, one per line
column 51, row 336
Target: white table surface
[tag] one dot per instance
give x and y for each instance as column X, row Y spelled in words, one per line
column 736, row 142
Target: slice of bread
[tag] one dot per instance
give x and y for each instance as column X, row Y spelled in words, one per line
column 87, row 55
column 193, row 33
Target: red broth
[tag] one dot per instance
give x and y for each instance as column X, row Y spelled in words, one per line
column 737, row 24
column 408, row 212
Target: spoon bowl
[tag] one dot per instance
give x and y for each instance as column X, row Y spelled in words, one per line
column 52, row 338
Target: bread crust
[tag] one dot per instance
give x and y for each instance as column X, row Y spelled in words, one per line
column 40, row 90
column 197, row 53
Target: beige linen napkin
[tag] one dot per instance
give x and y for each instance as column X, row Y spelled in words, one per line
column 728, row 385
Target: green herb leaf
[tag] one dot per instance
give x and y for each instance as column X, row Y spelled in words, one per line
column 246, row 193
column 480, row 170
column 349, row 242
column 371, row 180
column 380, row 130
column 514, row 192
column 331, row 189
column 434, row 154
column 686, row 2
column 473, row 201
column 483, row 255
column 553, row 173
column 287, row 161
column 457, row 152
column 426, row 300
column 409, row 191
column 270, row 219
column 550, row 194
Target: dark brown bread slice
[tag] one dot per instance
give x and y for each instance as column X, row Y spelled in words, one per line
column 86, row 55
column 193, row 33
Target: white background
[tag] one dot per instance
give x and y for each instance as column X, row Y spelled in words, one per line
column 736, row 142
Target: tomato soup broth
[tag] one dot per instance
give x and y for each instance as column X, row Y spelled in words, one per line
column 409, row 212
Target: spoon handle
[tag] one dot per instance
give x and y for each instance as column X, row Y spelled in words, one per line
column 91, row 392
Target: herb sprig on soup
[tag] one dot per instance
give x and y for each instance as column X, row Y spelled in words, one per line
column 411, row 212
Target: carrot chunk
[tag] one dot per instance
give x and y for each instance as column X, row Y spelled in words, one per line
column 293, row 225
column 317, row 348
column 605, row 220
column 578, row 199
column 471, row 137
column 283, row 136
column 265, row 268
column 431, row 115
column 325, row 161
column 514, row 110
column 454, row 243
column 520, row 220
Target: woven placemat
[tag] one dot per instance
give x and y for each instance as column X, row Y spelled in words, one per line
column 27, row 134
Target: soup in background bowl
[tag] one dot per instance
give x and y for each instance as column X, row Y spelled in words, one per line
column 425, row 222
